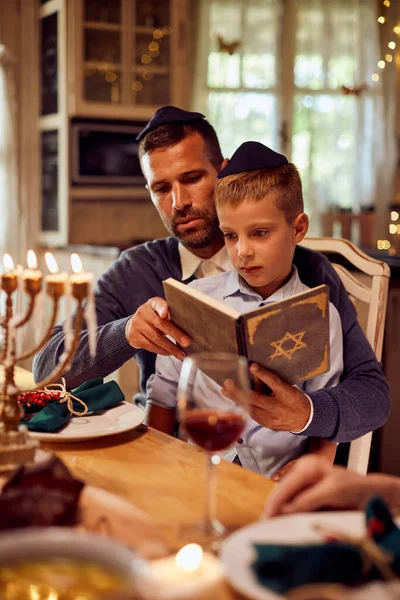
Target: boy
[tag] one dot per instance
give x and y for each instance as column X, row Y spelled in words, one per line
column 260, row 210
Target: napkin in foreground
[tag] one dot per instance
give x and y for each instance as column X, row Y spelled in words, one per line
column 94, row 393
column 283, row 567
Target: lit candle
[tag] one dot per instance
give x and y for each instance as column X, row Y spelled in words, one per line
column 189, row 575
column 32, row 276
column 82, row 287
column 79, row 280
column 9, row 280
column 55, row 283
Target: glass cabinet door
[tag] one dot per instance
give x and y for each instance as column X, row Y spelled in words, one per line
column 151, row 52
column 102, row 51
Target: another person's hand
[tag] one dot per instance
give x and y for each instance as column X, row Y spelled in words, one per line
column 150, row 325
column 286, row 409
column 314, row 484
column 283, row 472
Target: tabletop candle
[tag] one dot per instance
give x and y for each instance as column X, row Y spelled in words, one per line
column 32, row 276
column 189, row 575
column 55, row 282
column 79, row 280
column 9, row 280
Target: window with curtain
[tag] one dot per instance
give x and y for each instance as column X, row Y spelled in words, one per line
column 296, row 75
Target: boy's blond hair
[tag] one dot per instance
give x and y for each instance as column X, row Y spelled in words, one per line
column 283, row 183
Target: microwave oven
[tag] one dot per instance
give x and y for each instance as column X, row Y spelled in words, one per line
column 105, row 153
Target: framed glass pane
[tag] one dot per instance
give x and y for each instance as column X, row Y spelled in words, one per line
column 102, row 85
column 152, row 13
column 334, row 45
column 262, row 30
column 239, row 117
column 310, row 40
column 150, row 51
column 223, row 70
column 102, row 45
column 48, row 64
column 102, row 11
column 49, row 160
column 259, row 70
column 153, row 90
column 225, row 22
column 325, row 151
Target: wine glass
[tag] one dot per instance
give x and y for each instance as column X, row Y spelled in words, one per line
column 211, row 420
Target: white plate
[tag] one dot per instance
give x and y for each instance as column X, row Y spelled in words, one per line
column 238, row 553
column 121, row 418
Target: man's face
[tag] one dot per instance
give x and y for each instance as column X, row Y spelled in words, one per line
column 181, row 180
column 261, row 243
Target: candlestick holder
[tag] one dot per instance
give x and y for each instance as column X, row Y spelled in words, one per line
column 16, row 447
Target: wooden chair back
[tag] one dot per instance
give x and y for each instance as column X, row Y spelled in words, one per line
column 366, row 281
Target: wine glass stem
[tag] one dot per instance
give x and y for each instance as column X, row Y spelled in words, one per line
column 211, row 496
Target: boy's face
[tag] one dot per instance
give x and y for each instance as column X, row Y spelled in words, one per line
column 261, row 242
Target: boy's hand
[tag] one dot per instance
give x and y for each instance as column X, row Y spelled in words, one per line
column 150, row 325
column 286, row 409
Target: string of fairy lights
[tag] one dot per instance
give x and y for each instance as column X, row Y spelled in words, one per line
column 147, row 58
column 388, row 57
column 394, row 225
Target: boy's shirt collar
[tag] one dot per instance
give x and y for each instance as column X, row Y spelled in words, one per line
column 237, row 285
column 191, row 264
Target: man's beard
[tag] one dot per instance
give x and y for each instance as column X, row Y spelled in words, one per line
column 196, row 238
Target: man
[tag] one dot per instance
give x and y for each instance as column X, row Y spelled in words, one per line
column 180, row 158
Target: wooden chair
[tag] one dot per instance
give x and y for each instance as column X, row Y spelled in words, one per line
column 367, row 284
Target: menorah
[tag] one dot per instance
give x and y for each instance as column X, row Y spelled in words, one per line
column 16, row 447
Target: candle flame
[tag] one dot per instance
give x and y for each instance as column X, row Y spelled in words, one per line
column 31, row 260
column 76, row 263
column 8, row 262
column 189, row 557
column 51, row 262
column 34, row 590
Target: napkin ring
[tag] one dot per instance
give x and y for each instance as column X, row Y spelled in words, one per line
column 66, row 397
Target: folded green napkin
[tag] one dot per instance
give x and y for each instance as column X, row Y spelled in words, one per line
column 283, row 567
column 94, row 393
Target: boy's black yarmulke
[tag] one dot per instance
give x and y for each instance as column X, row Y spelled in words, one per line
column 251, row 156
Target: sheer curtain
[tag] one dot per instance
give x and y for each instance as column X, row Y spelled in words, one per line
column 338, row 138
column 10, row 213
column 299, row 80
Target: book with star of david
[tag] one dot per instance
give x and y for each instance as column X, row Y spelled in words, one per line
column 290, row 337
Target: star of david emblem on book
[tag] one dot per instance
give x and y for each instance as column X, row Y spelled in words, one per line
column 280, row 350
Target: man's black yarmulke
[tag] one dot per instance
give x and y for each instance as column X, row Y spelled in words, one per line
column 168, row 114
column 251, row 156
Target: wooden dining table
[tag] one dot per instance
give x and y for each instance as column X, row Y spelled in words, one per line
column 166, row 478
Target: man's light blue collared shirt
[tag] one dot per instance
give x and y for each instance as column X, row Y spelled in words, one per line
column 259, row 449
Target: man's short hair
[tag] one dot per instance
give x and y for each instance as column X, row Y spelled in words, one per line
column 171, row 134
column 283, row 183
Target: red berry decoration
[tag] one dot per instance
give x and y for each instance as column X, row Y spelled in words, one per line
column 35, row 401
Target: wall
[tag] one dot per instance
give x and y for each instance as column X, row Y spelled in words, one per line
column 114, row 222
column 18, row 32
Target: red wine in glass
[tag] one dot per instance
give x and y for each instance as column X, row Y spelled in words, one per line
column 212, row 421
column 213, row 430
